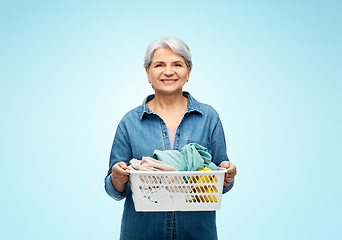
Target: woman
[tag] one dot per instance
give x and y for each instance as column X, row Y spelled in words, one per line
column 168, row 119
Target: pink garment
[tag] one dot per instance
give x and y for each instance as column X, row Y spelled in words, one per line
column 172, row 135
column 149, row 164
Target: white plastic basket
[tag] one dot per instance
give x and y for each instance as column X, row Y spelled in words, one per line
column 177, row 191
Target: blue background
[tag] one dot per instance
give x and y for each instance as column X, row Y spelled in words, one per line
column 69, row 70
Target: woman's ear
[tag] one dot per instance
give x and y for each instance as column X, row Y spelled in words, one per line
column 189, row 71
column 148, row 75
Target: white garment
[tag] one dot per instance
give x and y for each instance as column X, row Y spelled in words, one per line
column 149, row 164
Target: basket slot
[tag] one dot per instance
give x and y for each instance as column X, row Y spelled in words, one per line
column 206, row 178
column 215, row 199
column 146, row 179
column 163, row 179
column 145, row 189
column 177, row 179
column 215, row 179
column 171, row 179
column 181, row 181
column 215, row 189
column 168, row 179
column 159, row 180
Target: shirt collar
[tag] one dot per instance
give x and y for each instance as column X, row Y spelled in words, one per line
column 193, row 105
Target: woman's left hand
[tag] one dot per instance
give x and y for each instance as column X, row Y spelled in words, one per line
column 231, row 172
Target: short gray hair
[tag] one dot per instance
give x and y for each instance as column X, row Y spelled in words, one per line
column 176, row 45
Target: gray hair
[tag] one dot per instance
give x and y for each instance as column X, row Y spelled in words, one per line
column 176, row 45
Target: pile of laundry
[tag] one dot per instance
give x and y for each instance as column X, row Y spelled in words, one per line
column 192, row 157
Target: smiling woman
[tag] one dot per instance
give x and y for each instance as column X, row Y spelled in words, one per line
column 168, row 119
column 168, row 72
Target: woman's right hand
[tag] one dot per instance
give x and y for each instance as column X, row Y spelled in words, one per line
column 119, row 176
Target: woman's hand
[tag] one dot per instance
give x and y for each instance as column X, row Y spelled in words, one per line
column 231, row 172
column 119, row 176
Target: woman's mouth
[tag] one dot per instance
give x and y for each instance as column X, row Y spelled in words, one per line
column 168, row 81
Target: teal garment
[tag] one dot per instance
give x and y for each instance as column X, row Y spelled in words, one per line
column 192, row 157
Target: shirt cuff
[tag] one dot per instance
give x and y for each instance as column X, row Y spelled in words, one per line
column 113, row 193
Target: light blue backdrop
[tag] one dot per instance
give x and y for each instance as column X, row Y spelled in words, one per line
column 69, row 70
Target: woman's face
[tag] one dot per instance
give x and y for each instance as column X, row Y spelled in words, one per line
column 168, row 72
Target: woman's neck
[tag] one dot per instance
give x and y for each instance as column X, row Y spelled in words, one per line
column 168, row 103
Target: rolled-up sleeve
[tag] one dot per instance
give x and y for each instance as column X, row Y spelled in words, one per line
column 227, row 188
column 121, row 152
column 219, row 149
column 113, row 193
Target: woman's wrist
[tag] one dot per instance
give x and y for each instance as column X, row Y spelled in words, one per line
column 120, row 187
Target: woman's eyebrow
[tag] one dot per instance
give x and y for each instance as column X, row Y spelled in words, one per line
column 158, row 61
column 161, row 61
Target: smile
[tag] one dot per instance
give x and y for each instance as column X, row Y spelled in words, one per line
column 168, row 81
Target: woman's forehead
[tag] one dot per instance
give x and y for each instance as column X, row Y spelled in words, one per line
column 163, row 54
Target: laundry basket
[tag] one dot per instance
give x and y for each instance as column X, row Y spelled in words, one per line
column 177, row 191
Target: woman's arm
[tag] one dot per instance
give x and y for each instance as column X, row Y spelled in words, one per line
column 116, row 181
column 220, row 157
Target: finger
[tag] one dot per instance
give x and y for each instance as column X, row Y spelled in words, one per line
column 228, row 179
column 231, row 169
column 226, row 183
column 225, row 164
column 119, row 168
column 123, row 165
column 120, row 178
column 230, row 176
column 231, row 173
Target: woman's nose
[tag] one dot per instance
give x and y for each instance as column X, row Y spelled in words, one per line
column 168, row 70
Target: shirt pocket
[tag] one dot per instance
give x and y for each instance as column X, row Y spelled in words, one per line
column 202, row 143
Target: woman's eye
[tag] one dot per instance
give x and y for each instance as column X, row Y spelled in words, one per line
column 159, row 65
column 178, row 65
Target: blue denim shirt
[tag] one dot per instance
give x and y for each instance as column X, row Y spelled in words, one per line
column 138, row 134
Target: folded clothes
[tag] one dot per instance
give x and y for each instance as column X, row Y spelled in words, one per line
column 192, row 157
column 149, row 164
